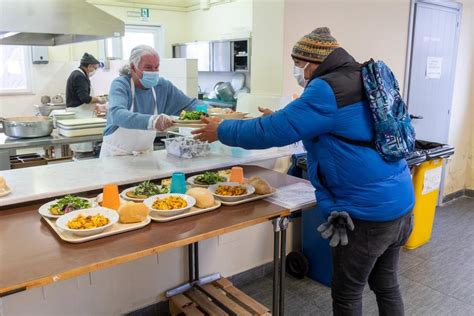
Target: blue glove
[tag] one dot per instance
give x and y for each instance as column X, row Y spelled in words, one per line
column 336, row 228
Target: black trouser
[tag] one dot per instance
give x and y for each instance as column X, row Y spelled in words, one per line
column 371, row 256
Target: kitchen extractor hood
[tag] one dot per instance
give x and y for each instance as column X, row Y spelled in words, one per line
column 54, row 22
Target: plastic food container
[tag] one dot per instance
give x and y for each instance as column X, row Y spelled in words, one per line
column 185, row 147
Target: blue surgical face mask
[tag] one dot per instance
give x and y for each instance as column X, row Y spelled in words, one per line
column 150, row 79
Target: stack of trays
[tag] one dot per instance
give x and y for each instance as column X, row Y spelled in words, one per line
column 81, row 127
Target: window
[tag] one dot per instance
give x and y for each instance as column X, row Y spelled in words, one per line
column 134, row 35
column 15, row 72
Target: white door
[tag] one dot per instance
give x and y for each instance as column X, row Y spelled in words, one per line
column 432, row 68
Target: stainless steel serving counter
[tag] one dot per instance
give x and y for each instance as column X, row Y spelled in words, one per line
column 9, row 145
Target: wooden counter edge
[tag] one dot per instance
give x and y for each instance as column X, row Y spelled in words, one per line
column 132, row 256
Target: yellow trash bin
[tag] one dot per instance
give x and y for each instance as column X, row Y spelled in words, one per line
column 426, row 182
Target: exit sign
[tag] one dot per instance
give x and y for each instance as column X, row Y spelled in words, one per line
column 145, row 12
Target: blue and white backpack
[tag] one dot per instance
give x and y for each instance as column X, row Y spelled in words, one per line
column 394, row 134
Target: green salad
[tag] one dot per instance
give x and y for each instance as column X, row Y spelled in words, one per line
column 146, row 189
column 192, row 116
column 209, row 178
column 68, row 204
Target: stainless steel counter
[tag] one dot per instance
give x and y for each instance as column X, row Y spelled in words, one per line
column 9, row 145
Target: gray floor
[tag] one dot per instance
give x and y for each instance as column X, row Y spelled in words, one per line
column 436, row 279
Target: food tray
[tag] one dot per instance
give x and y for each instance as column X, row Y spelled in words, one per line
column 81, row 132
column 193, row 211
column 117, row 228
column 251, row 198
column 80, row 123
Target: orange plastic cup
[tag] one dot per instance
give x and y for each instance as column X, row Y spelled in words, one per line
column 237, row 175
column 111, row 197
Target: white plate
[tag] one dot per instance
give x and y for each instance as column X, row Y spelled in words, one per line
column 190, row 181
column 231, row 116
column 250, row 191
column 44, row 209
column 112, row 215
column 124, row 196
column 184, row 122
column 149, row 202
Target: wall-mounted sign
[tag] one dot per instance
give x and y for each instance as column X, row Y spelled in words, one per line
column 145, row 13
column 433, row 67
column 134, row 14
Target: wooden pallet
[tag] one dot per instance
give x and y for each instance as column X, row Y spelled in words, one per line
column 218, row 298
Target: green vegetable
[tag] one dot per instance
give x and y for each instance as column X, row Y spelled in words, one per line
column 148, row 188
column 68, row 204
column 192, row 116
column 209, row 178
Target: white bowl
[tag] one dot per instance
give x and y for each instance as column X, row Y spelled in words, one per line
column 226, row 198
column 149, row 203
column 112, row 215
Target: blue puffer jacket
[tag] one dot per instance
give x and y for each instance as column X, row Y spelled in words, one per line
column 346, row 176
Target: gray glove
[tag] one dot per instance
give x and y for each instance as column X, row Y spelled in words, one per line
column 336, row 228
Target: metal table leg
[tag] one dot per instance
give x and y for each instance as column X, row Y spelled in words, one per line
column 279, row 256
column 190, row 263
column 193, row 273
column 196, row 261
column 5, row 159
column 282, row 272
column 276, row 255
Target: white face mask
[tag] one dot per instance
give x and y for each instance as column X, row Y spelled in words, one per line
column 92, row 73
column 298, row 73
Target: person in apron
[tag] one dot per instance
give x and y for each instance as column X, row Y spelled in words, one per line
column 78, row 96
column 140, row 102
column 126, row 141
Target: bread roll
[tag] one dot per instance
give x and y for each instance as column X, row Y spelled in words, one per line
column 204, row 197
column 132, row 212
column 261, row 186
column 3, row 185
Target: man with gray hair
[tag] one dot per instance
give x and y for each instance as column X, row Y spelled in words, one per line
column 140, row 102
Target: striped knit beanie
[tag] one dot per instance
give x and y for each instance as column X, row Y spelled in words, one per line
column 315, row 46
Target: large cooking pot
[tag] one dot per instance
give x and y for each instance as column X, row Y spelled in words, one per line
column 27, row 126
